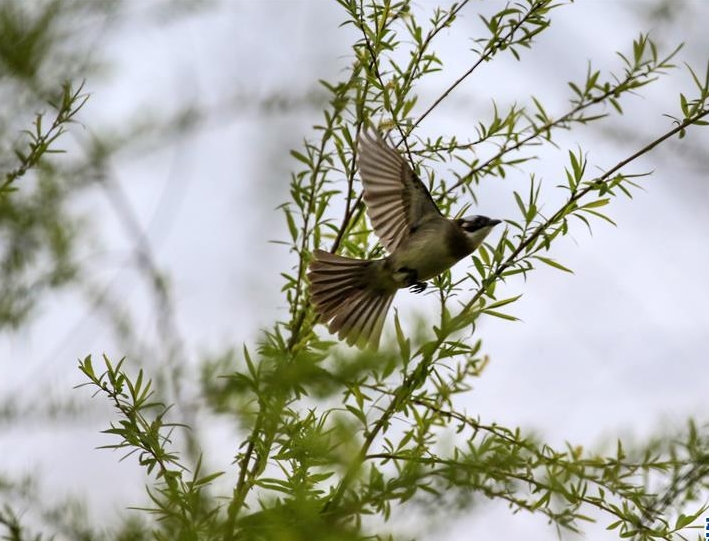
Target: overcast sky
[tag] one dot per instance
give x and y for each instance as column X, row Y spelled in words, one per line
column 614, row 350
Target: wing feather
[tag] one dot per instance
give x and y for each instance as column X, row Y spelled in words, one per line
column 396, row 198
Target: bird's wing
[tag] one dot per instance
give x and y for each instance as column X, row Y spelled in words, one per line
column 396, row 199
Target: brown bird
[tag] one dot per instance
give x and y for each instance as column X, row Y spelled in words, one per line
column 353, row 295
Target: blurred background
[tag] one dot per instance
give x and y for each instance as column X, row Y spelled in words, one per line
column 181, row 156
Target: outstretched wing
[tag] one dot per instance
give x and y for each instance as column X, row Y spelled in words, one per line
column 396, row 199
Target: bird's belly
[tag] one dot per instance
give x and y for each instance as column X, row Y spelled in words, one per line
column 426, row 262
column 437, row 261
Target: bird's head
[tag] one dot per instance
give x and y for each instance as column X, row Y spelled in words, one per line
column 476, row 228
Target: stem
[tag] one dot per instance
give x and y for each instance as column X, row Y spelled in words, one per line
column 490, row 51
column 560, row 213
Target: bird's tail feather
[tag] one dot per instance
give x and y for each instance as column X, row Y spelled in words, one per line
column 341, row 291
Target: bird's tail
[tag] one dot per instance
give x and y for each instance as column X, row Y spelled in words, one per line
column 342, row 291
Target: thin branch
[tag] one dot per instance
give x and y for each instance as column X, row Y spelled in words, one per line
column 483, row 58
column 71, row 103
column 357, row 208
column 611, row 92
column 561, row 212
column 167, row 327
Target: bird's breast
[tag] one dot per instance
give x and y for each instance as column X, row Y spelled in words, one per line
column 433, row 248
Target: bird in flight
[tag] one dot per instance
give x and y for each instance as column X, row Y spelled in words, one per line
column 353, row 296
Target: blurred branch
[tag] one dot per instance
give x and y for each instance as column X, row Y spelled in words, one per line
column 168, row 330
column 599, row 184
column 69, row 104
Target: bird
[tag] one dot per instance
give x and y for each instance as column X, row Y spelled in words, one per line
column 352, row 296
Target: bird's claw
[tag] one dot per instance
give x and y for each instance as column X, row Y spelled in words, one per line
column 418, row 287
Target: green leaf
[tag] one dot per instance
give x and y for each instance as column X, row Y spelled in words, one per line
column 357, row 413
column 402, row 340
column 301, row 157
column 553, row 263
column 508, row 317
column 503, row 302
column 597, row 203
column 292, row 227
column 520, row 204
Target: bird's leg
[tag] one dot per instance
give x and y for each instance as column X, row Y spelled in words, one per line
column 415, row 285
column 418, row 287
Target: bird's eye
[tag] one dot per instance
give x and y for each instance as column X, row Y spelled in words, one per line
column 472, row 224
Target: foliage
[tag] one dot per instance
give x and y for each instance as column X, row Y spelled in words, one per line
column 337, row 442
column 33, row 223
column 38, row 233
